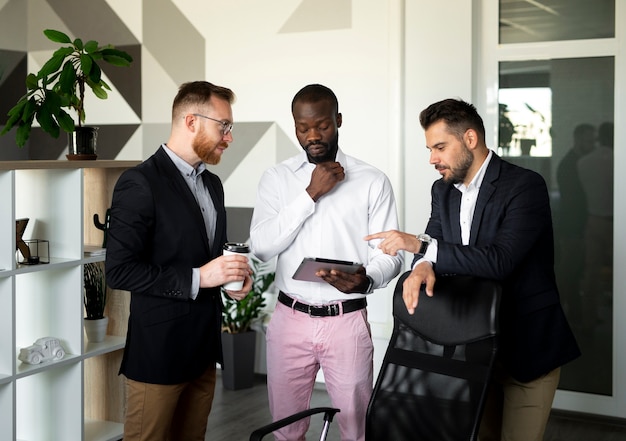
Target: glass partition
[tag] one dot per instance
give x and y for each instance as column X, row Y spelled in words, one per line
column 556, row 117
column 525, row 21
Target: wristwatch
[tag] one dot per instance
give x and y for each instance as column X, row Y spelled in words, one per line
column 425, row 240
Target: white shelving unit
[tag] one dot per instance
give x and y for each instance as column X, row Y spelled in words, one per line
column 79, row 397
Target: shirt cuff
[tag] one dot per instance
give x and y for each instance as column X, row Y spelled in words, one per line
column 195, row 283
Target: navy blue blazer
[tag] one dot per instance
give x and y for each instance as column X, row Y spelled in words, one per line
column 156, row 236
column 511, row 240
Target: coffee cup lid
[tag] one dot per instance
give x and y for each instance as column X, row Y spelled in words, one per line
column 236, row 247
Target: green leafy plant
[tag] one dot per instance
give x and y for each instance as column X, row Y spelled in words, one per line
column 95, row 294
column 237, row 316
column 61, row 83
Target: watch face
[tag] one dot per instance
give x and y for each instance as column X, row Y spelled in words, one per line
column 425, row 238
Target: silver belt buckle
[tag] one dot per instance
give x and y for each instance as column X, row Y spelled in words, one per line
column 333, row 310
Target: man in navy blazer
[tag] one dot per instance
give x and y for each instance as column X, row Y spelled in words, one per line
column 492, row 219
column 165, row 239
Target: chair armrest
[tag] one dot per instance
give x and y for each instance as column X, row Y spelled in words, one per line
column 329, row 413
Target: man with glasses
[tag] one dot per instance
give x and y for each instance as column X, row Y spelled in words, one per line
column 164, row 245
column 321, row 203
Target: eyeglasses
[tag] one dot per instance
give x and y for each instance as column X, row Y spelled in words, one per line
column 227, row 127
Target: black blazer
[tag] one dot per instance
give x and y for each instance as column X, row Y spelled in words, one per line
column 511, row 240
column 156, row 236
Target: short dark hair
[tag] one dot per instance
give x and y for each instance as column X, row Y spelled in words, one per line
column 314, row 93
column 199, row 93
column 458, row 116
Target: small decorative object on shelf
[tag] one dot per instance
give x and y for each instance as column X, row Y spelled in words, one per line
column 44, row 349
column 32, row 251
column 104, row 226
column 20, row 245
column 39, row 252
column 95, row 296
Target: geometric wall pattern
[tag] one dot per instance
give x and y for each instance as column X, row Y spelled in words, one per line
column 167, row 50
column 165, row 44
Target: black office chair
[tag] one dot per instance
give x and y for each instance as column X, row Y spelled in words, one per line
column 329, row 413
column 433, row 381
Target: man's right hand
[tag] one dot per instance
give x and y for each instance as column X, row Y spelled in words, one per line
column 324, row 178
column 423, row 273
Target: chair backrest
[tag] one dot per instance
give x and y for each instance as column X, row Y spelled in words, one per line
column 433, row 381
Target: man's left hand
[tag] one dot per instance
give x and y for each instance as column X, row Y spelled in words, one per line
column 243, row 292
column 346, row 282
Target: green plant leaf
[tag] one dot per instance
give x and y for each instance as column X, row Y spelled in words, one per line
column 18, row 108
column 66, row 121
column 52, row 103
column 116, row 57
column 67, row 80
column 99, row 92
column 17, row 115
column 104, row 84
column 95, row 293
column 57, row 36
column 22, row 134
column 30, row 108
column 47, row 122
column 51, row 66
column 96, row 74
column 86, row 64
column 91, row 46
column 78, row 44
column 32, row 82
column 237, row 316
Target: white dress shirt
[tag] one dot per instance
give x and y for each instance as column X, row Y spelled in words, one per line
column 287, row 223
column 193, row 179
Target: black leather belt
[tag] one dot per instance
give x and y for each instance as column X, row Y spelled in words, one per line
column 330, row 310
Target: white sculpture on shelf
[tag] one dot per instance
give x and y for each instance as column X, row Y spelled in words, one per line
column 44, row 349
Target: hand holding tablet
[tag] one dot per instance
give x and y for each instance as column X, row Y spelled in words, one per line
column 311, row 265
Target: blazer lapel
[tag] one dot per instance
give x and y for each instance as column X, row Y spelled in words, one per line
column 180, row 187
column 454, row 216
column 219, row 214
column 487, row 188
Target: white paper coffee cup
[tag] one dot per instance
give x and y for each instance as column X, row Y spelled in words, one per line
column 235, row 248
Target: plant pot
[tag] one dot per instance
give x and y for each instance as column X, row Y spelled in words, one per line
column 82, row 143
column 96, row 329
column 238, row 366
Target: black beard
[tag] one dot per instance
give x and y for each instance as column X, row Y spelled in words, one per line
column 329, row 156
column 459, row 173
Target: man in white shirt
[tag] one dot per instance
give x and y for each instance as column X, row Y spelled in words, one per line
column 321, row 203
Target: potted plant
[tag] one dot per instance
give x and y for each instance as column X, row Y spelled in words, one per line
column 61, row 83
column 94, row 298
column 238, row 337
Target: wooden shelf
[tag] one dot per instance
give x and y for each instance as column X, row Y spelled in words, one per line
column 64, row 165
column 80, row 397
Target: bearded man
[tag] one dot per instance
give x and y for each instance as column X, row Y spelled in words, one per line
column 165, row 240
column 492, row 219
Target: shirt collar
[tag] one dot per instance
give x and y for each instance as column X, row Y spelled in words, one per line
column 301, row 160
column 182, row 165
column 478, row 178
